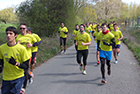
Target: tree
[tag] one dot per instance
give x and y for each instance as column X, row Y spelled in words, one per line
column 8, row 15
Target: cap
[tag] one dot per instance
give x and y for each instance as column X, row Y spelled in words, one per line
column 29, row 29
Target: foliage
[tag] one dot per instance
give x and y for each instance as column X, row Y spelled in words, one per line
column 8, row 15
column 45, row 16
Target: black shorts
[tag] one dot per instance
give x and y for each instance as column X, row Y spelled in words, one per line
column 63, row 40
column 34, row 54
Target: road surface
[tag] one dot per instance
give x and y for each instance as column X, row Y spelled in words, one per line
column 61, row 75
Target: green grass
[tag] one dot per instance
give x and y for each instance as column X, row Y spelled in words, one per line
column 132, row 40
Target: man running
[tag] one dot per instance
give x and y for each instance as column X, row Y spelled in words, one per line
column 95, row 35
column 106, row 40
column 83, row 40
column 63, row 31
column 88, row 29
column 34, row 51
column 75, row 34
column 118, row 37
column 13, row 60
column 28, row 41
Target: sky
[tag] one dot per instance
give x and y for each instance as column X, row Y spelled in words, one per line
column 11, row 3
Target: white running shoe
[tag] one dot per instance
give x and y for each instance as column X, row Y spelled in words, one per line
column 61, row 52
column 64, row 52
column 116, row 62
column 81, row 68
column 31, row 80
column 84, row 72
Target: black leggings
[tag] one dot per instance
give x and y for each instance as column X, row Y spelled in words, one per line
column 83, row 53
column 27, row 77
column 76, row 46
column 103, row 66
column 63, row 40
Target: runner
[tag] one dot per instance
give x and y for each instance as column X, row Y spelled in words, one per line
column 34, row 51
column 74, row 34
column 28, row 41
column 118, row 37
column 105, row 40
column 95, row 35
column 83, row 40
column 63, row 31
column 88, row 29
column 13, row 60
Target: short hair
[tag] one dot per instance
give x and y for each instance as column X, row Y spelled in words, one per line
column 104, row 24
column 114, row 25
column 29, row 29
column 76, row 25
column 82, row 25
column 23, row 23
column 12, row 29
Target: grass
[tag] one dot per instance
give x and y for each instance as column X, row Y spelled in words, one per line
column 132, row 40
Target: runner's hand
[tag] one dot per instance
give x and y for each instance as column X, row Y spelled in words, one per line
column 12, row 61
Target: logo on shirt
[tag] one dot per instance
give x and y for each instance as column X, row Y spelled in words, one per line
column 16, row 54
column 5, row 54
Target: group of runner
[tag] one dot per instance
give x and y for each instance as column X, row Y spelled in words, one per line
column 16, row 56
column 106, row 37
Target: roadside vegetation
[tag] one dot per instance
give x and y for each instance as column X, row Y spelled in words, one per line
column 132, row 40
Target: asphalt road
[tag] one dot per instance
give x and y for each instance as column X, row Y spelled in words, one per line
column 61, row 75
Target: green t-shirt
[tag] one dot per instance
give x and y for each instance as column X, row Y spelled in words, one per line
column 75, row 33
column 88, row 29
column 18, row 52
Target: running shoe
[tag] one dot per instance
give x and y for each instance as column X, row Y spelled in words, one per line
column 81, row 68
column 109, row 72
column 116, row 62
column 118, row 54
column 84, row 72
column 103, row 81
column 64, row 52
column 98, row 62
column 61, row 52
column 31, row 80
column 22, row 91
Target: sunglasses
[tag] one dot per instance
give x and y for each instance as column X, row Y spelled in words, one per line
column 23, row 28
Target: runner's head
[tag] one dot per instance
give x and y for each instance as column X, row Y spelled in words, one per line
column 23, row 28
column 62, row 25
column 82, row 28
column 77, row 26
column 98, row 28
column 115, row 26
column 104, row 27
column 11, row 33
column 29, row 30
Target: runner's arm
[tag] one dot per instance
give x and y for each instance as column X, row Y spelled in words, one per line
column 37, row 43
column 98, row 45
column 1, row 65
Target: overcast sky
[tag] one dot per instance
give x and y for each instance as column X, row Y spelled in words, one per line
column 12, row 3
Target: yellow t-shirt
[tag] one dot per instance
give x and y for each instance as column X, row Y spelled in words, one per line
column 24, row 39
column 35, row 49
column 95, row 34
column 75, row 33
column 111, row 27
column 117, row 34
column 83, row 38
column 18, row 52
column 105, row 38
column 62, row 34
column 88, row 28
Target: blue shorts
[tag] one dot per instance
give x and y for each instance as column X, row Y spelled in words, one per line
column 116, row 47
column 106, row 54
column 12, row 87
